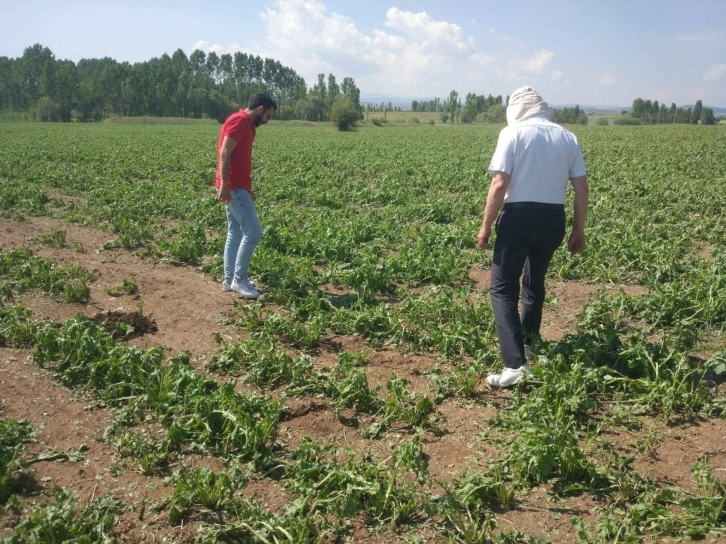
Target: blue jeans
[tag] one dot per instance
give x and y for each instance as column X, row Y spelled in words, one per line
column 243, row 235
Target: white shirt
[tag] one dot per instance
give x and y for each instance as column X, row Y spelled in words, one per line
column 541, row 157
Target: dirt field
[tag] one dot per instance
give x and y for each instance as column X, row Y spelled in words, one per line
column 188, row 309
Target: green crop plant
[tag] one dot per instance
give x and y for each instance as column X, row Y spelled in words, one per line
column 349, row 388
column 21, row 271
column 254, row 524
column 200, row 487
column 411, row 409
column 149, row 455
column 61, row 520
column 54, row 238
column 17, row 327
column 13, row 436
column 128, row 286
column 355, row 485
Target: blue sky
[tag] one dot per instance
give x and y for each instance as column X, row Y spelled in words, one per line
column 586, row 51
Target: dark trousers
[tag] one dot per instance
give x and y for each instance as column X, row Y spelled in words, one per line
column 528, row 233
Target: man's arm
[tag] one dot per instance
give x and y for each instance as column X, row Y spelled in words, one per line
column 495, row 199
column 225, row 155
column 576, row 243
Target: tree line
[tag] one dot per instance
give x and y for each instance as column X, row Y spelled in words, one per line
column 652, row 113
column 199, row 86
column 212, row 86
column 474, row 102
column 485, row 109
column 374, row 108
column 569, row 115
column 480, row 108
column 475, row 108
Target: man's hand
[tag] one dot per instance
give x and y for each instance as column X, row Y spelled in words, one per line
column 576, row 243
column 483, row 237
column 224, row 195
column 495, row 199
column 223, row 159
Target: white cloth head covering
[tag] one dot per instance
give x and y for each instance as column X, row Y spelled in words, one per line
column 524, row 103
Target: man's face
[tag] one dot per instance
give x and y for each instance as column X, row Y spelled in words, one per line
column 260, row 117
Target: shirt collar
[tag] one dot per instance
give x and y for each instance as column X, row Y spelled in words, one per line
column 249, row 119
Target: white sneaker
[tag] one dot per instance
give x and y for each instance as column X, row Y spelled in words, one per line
column 227, row 287
column 245, row 289
column 510, row 376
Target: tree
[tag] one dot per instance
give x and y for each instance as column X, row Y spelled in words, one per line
column 319, row 103
column 333, row 91
column 473, row 106
column 649, row 113
column 453, row 105
column 570, row 115
column 200, row 85
column 707, row 117
column 37, row 70
column 496, row 114
column 66, row 88
column 696, row 115
column 316, row 108
column 302, row 108
column 213, row 66
column 663, row 114
column 48, row 110
column 220, row 107
column 351, row 91
column 468, row 115
column 344, row 114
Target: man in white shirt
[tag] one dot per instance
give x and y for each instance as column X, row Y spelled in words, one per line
column 530, row 169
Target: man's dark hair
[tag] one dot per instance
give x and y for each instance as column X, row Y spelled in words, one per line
column 261, row 99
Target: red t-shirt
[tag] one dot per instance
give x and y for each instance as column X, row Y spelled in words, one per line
column 241, row 129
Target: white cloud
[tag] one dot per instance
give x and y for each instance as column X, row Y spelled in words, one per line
column 407, row 52
column 422, row 25
column 305, row 26
column 704, row 36
column 218, row 49
column 556, row 75
column 716, row 72
column 608, row 79
column 534, row 65
column 413, row 48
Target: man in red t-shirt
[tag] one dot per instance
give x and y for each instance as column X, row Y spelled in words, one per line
column 234, row 189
